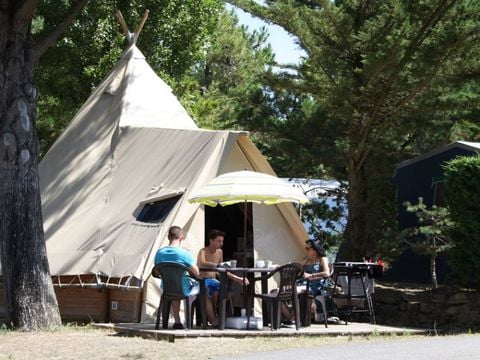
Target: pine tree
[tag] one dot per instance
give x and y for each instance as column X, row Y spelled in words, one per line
column 379, row 72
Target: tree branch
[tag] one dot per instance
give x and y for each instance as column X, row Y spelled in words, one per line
column 251, row 7
column 25, row 13
column 276, row 15
column 47, row 41
column 373, row 115
column 425, row 29
column 422, row 85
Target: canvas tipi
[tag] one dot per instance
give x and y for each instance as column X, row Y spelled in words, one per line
column 120, row 176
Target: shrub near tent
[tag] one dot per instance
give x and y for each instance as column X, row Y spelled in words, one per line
column 462, row 195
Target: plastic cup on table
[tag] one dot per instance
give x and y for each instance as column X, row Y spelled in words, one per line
column 260, row 264
column 233, row 263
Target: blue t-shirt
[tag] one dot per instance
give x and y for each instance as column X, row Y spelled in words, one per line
column 181, row 256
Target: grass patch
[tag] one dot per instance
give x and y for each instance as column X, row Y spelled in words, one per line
column 133, row 356
column 4, row 329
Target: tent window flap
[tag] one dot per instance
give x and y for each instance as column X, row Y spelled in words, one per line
column 157, row 212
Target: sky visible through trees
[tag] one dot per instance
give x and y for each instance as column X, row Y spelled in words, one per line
column 283, row 44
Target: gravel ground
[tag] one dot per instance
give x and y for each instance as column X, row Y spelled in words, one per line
column 89, row 343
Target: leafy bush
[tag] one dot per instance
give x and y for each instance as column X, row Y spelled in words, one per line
column 462, row 195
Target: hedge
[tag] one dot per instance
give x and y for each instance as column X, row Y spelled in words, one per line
column 462, row 196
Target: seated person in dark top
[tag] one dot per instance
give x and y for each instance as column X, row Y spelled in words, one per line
column 316, row 270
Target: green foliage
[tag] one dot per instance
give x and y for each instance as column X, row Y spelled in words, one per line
column 466, row 130
column 4, row 329
column 385, row 79
column 297, row 140
column 462, row 195
column 382, row 81
column 172, row 40
column 325, row 217
column 225, row 89
column 430, row 236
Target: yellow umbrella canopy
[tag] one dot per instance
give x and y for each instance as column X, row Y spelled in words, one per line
column 247, row 186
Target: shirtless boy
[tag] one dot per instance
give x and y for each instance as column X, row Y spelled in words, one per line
column 211, row 256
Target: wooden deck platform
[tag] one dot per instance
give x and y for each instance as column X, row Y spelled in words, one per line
column 352, row 329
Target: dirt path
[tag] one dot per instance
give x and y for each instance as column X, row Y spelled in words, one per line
column 88, row 343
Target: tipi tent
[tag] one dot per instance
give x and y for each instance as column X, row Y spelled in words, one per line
column 120, row 176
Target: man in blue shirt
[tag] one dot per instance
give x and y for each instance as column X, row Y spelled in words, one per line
column 174, row 253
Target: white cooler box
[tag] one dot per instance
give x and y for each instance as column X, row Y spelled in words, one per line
column 240, row 322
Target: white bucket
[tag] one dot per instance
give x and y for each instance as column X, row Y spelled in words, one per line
column 240, row 322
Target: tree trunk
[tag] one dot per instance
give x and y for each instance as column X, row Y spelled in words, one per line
column 433, row 270
column 355, row 244
column 29, row 294
column 367, row 220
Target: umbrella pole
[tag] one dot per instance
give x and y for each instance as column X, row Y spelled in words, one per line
column 245, row 234
column 245, row 288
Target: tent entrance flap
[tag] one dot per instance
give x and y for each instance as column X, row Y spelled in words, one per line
column 230, row 219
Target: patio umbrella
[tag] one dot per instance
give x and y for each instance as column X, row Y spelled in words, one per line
column 247, row 186
column 240, row 186
column 244, row 187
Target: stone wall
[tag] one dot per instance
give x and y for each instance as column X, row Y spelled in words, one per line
column 442, row 309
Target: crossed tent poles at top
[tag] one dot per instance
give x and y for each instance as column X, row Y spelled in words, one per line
column 132, row 37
